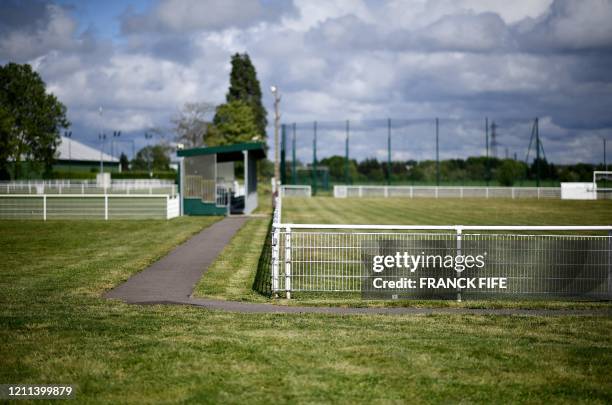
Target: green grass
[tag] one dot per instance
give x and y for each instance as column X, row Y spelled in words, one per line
column 55, row 328
column 424, row 211
column 231, row 276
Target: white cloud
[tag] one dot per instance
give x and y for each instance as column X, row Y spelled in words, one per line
column 347, row 59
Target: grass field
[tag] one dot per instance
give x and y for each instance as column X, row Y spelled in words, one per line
column 231, row 276
column 55, row 328
column 424, row 211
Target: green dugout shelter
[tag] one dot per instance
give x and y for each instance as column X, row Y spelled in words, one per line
column 208, row 181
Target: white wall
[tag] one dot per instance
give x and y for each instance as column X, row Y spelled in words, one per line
column 578, row 191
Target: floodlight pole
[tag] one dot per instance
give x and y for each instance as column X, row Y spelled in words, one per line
column 314, row 159
column 100, row 136
column 537, row 134
column 487, row 148
column 346, row 153
column 604, row 150
column 293, row 164
column 437, row 156
column 277, row 98
column 389, row 151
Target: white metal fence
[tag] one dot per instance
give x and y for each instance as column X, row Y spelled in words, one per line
column 88, row 206
column 296, row 191
column 446, row 192
column 86, row 187
column 537, row 261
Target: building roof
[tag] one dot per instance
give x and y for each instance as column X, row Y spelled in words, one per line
column 228, row 152
column 69, row 149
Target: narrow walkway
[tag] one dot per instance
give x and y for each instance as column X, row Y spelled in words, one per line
column 171, row 280
column 174, row 277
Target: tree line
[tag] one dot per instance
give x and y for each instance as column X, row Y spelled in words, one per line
column 31, row 120
column 473, row 170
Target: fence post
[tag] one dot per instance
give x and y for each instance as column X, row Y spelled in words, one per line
column 512, row 193
column 288, row 262
column 411, row 191
column 538, row 193
column 487, row 192
column 275, row 254
column 610, row 264
column 386, row 191
column 106, row 207
column 461, row 192
column 360, row 191
column 44, row 207
column 459, row 235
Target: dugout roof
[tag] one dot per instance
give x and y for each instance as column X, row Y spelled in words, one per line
column 228, row 153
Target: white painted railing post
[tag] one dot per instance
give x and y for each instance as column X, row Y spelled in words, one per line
column 411, row 191
column 461, row 192
column 487, row 192
column 538, row 193
column 513, row 193
column 275, row 251
column 106, row 207
column 288, row 262
column 360, row 191
column 44, row 207
column 386, row 191
column 459, row 236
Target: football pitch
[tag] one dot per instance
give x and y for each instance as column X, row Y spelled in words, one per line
column 55, row 328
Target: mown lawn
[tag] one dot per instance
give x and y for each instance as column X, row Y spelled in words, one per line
column 231, row 277
column 446, row 211
column 55, row 328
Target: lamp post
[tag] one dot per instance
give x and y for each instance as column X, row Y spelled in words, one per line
column 277, row 99
column 116, row 134
column 101, row 137
column 149, row 152
column 68, row 134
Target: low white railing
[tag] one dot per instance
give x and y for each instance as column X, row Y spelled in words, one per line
column 341, row 191
column 89, row 206
column 84, row 187
column 296, row 191
column 539, row 261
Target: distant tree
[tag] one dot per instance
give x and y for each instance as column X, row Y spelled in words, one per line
column 234, row 122
column 124, row 162
column 371, row 169
column 6, row 142
column 337, row 165
column 152, row 158
column 32, row 119
column 510, row 171
column 191, row 124
column 245, row 87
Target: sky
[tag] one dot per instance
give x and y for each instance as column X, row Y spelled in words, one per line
column 359, row 60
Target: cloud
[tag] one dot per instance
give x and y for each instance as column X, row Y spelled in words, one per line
column 181, row 16
column 569, row 26
column 30, row 30
column 460, row 60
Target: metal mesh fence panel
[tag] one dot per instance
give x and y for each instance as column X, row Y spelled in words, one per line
column 550, row 266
